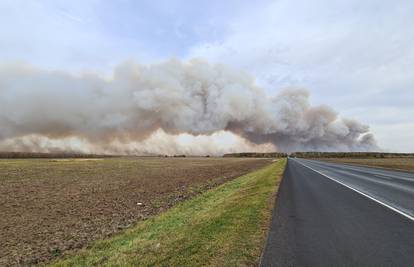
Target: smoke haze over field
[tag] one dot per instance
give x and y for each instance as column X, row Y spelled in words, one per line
column 167, row 108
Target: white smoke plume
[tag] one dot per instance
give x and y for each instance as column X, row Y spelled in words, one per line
column 166, row 108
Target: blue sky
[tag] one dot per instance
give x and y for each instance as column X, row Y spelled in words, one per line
column 356, row 56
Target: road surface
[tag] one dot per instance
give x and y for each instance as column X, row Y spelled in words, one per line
column 330, row 214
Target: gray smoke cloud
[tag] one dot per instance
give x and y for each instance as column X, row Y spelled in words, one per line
column 44, row 110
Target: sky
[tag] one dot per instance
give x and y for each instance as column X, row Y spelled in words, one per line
column 355, row 56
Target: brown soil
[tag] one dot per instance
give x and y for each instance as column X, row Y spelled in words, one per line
column 52, row 207
column 405, row 163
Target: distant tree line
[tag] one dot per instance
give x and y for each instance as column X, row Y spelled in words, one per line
column 255, row 155
column 16, row 155
column 350, row 155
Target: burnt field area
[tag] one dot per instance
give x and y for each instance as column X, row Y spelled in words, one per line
column 397, row 163
column 50, row 207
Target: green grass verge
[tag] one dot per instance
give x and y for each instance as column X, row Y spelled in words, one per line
column 225, row 226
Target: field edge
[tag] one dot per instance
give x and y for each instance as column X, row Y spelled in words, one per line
column 224, row 226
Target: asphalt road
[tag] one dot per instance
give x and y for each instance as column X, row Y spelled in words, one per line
column 341, row 215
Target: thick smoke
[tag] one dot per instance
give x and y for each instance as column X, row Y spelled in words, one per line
column 164, row 108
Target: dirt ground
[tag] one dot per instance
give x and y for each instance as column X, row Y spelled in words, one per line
column 52, row 207
column 406, row 163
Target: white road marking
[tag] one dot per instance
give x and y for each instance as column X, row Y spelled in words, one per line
column 408, row 216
